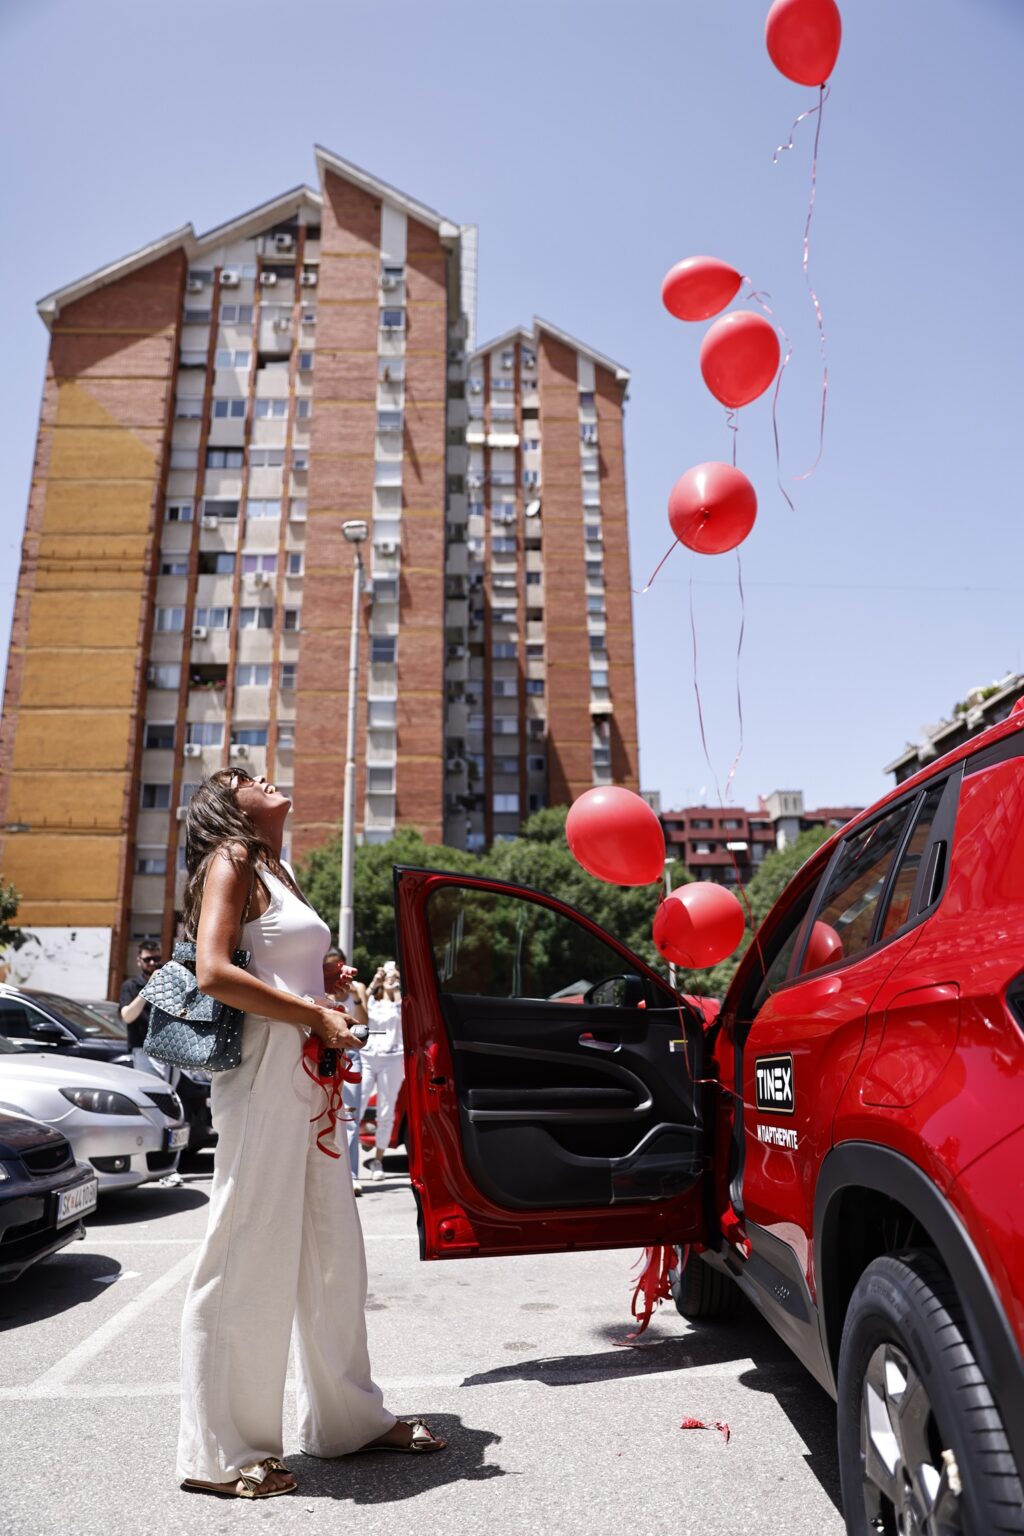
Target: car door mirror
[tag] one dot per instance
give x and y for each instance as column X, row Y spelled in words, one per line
column 48, row 1033
column 616, row 992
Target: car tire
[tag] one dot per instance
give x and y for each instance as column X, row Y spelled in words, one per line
column 921, row 1440
column 700, row 1291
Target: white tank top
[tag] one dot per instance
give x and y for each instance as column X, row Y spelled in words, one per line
column 287, row 942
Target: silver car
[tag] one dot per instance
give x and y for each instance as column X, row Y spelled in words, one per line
column 128, row 1126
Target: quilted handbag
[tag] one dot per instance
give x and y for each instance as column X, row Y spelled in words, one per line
column 187, row 1028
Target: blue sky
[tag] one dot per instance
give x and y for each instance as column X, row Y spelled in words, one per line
column 594, row 144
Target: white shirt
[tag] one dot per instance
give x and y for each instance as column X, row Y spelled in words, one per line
column 385, row 1016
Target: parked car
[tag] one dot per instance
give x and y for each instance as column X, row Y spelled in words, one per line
column 44, row 1021
column 44, row 1194
column 843, row 1145
column 127, row 1125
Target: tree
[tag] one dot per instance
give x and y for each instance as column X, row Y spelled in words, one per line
column 10, row 936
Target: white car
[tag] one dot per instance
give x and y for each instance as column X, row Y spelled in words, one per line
column 128, row 1126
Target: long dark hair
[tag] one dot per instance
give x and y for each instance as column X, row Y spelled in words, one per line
column 215, row 823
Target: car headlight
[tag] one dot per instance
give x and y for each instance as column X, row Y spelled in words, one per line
column 101, row 1101
column 5, row 1172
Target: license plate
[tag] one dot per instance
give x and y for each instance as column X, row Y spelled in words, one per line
column 73, row 1203
column 176, row 1138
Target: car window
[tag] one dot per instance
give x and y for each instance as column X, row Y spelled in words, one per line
column 898, row 910
column 81, row 1021
column 779, row 952
column 850, row 900
column 16, row 1019
column 499, row 944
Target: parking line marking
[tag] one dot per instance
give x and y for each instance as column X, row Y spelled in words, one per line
column 49, row 1387
column 98, row 1239
column 59, row 1375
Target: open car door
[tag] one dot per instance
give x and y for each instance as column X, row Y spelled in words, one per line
column 552, row 1093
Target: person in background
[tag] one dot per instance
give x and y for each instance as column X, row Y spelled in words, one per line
column 349, row 994
column 135, row 1014
column 383, row 1057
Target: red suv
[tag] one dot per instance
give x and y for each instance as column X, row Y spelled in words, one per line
column 843, row 1144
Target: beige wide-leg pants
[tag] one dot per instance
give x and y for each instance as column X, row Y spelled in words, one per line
column 283, row 1245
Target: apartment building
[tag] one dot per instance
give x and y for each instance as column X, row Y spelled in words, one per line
column 985, row 705
column 215, row 408
column 729, row 844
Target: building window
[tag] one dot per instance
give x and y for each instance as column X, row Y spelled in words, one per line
column 504, row 687
column 205, row 733
column 382, row 714
column 505, row 725
column 174, row 568
column 276, row 410
column 503, row 546
column 167, row 675
column 159, row 738
column 156, row 797
column 598, row 679
column 305, row 361
column 227, row 358
column 506, row 805
column 213, row 618
column 504, row 650
column 380, row 781
column 256, row 618
column 224, row 458
column 389, row 421
column 392, row 319
column 170, row 620
column 595, row 604
column 151, row 861
column 266, row 458
column 251, row 674
column 535, row 685
column 263, row 508
column 249, row 736
column 229, row 409
column 288, row 672
column 251, row 564
column 535, row 651
column 178, row 512
column 291, row 618
column 534, row 578
column 303, row 409
column 295, row 563
column 236, row 314
column 535, row 764
column 188, row 407
column 382, row 648
column 214, row 508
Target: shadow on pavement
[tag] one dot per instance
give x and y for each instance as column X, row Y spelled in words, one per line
column 376, row 1478
column 812, row 1414
column 149, row 1202
column 53, row 1286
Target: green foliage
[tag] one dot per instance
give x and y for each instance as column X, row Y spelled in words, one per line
column 540, row 858
column 10, row 936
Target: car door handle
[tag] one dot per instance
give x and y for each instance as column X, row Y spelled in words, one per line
column 593, row 1044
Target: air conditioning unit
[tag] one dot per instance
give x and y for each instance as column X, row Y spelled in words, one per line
column 230, row 279
column 195, row 285
column 476, row 386
column 180, row 812
column 388, row 546
column 283, row 323
column 308, row 280
column 200, row 632
column 193, row 749
column 284, row 242
column 268, row 279
column 209, row 520
column 508, row 362
column 388, row 282
column 238, row 749
column 258, row 579
column 455, row 764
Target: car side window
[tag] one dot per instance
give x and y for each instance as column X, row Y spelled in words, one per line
column 850, row 900
column 501, row 944
column 902, row 895
column 780, row 954
column 16, row 1020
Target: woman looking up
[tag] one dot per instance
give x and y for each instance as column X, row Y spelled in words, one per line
column 283, row 1243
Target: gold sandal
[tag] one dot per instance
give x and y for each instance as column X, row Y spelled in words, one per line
column 251, row 1477
column 423, row 1439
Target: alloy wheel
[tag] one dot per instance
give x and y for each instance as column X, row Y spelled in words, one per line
column 911, row 1482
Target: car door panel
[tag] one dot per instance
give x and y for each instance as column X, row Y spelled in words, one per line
column 540, row 1122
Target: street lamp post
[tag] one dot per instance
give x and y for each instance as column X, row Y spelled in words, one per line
column 356, row 532
column 669, row 861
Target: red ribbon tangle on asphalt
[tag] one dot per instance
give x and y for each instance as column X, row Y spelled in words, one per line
column 346, row 1072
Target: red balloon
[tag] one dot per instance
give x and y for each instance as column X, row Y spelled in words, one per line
column 803, row 38
column 824, row 946
column 697, row 288
column 698, row 925
column 712, row 508
column 739, row 357
column 616, row 836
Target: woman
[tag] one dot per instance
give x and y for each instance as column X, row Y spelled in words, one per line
column 283, row 1241
column 345, row 992
column 383, row 1061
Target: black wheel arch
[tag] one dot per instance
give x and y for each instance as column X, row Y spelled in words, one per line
column 858, row 1174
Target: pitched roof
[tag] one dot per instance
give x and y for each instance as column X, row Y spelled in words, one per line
column 520, row 333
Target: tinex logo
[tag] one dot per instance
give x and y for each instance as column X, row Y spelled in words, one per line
column 773, row 1077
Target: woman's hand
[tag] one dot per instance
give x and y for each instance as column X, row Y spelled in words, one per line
column 331, row 1026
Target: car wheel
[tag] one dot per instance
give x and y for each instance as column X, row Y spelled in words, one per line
column 700, row 1291
column 922, row 1449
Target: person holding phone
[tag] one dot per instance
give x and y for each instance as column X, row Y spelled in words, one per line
column 283, row 1247
column 383, row 1057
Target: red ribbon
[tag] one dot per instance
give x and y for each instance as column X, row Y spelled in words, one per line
column 346, row 1072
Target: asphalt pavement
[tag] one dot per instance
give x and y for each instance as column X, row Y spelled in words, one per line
column 555, row 1425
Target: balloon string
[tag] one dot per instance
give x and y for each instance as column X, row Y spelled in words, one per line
column 739, row 692
column 641, row 591
column 760, row 297
column 823, row 94
column 732, row 424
